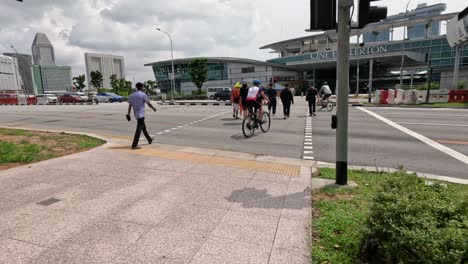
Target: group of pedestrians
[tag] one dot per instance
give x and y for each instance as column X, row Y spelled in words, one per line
column 243, row 99
column 240, row 98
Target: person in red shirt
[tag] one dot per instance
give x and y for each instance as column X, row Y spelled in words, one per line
column 235, row 100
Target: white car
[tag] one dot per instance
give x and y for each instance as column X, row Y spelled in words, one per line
column 83, row 96
column 47, row 98
column 108, row 98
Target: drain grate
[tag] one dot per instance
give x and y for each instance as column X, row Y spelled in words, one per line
column 48, row 201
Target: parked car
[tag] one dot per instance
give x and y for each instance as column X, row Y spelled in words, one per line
column 222, row 95
column 108, row 97
column 47, row 98
column 83, row 96
column 70, row 98
column 210, row 91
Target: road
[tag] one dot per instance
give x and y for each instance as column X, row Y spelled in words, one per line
column 372, row 142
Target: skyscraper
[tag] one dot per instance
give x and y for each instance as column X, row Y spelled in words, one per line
column 107, row 64
column 42, row 50
column 24, row 68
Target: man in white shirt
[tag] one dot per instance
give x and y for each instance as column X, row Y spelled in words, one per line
column 325, row 92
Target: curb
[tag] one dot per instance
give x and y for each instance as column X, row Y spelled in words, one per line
column 415, row 106
column 321, row 164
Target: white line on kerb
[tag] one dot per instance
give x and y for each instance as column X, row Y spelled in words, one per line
column 455, row 154
column 431, row 124
column 308, row 157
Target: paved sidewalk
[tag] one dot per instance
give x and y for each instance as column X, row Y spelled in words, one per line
column 161, row 204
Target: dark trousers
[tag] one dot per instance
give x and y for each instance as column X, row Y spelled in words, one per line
column 286, row 108
column 140, row 126
column 311, row 107
column 272, row 105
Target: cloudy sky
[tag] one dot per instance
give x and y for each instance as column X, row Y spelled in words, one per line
column 234, row 28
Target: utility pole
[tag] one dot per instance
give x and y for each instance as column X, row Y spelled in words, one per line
column 343, row 91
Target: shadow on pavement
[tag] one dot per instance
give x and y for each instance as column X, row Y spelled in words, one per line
column 261, row 199
column 241, row 136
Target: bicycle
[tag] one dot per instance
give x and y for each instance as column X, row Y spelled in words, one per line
column 328, row 104
column 252, row 122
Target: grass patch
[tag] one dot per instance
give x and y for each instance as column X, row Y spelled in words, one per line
column 340, row 215
column 448, row 104
column 22, row 147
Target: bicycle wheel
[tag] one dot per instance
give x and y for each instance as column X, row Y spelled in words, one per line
column 330, row 106
column 248, row 127
column 265, row 122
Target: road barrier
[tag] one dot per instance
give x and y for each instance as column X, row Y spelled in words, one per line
column 458, row 96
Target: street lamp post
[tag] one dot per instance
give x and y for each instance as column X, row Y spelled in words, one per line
column 172, row 63
column 403, row 47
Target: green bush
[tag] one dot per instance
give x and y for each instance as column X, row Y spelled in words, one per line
column 196, row 92
column 414, row 222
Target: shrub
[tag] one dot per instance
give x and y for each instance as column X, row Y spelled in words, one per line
column 414, row 222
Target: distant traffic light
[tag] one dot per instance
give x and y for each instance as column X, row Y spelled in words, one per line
column 322, row 14
column 370, row 14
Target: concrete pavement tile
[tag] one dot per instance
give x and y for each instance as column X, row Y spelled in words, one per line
column 68, row 178
column 212, row 170
column 57, row 227
column 105, row 184
column 298, row 202
column 224, row 251
column 177, row 166
column 144, row 187
column 14, row 251
column 194, row 180
column 90, row 202
column 31, row 193
column 6, row 206
column 147, row 211
column 280, row 256
column 252, row 228
column 293, row 235
column 161, row 244
column 99, row 244
column 13, row 180
column 194, row 218
column 220, row 195
column 261, row 197
column 175, row 193
column 21, row 216
column 267, row 176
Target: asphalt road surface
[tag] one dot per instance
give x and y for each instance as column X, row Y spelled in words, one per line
column 375, row 134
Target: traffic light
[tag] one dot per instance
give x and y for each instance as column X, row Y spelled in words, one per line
column 322, row 14
column 370, row 14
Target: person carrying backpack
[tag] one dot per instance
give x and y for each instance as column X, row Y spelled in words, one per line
column 235, row 100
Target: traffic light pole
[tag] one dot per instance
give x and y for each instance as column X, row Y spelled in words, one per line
column 343, row 91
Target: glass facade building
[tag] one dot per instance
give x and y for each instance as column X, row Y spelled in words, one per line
column 216, row 72
column 52, row 79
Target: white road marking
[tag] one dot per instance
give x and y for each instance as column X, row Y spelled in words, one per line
column 308, row 152
column 431, row 124
column 455, row 154
column 308, row 147
column 308, row 157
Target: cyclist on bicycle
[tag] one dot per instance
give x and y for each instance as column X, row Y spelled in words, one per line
column 254, row 98
column 326, row 92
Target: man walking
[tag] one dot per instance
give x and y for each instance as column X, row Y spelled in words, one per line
column 311, row 97
column 271, row 94
column 137, row 101
column 287, row 99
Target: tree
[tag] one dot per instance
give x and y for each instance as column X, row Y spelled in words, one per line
column 96, row 79
column 199, row 71
column 79, row 82
column 114, row 83
column 151, row 87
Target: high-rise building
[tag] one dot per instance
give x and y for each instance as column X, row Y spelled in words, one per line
column 107, row 65
column 42, row 50
column 24, row 68
column 10, row 78
column 51, row 78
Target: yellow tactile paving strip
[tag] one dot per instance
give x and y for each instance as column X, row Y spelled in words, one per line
column 290, row 170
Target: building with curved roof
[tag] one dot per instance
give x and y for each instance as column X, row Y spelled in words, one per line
column 222, row 72
column 424, row 47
